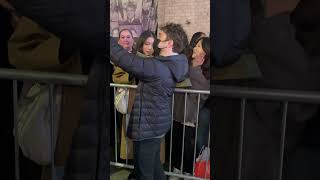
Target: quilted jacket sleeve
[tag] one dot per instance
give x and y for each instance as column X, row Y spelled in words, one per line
column 140, row 67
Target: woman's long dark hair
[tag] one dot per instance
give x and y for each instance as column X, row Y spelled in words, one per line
column 143, row 37
column 193, row 42
column 206, row 64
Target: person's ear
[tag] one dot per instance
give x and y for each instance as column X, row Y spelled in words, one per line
column 170, row 43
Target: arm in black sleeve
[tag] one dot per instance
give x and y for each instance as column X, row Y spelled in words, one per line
column 80, row 21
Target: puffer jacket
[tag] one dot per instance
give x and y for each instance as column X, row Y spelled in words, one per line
column 151, row 114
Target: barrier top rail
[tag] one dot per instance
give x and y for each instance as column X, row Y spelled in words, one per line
column 216, row 90
column 44, row 77
column 266, row 94
column 65, row 79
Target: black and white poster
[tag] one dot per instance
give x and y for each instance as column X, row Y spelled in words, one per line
column 136, row 15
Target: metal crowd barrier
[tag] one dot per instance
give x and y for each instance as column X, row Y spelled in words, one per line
column 169, row 172
column 52, row 79
column 242, row 93
column 283, row 96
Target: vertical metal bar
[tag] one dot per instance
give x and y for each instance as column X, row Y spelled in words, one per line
column 115, row 128
column 126, row 122
column 52, row 110
column 283, row 136
column 171, row 132
column 240, row 152
column 205, row 176
column 126, row 150
column 184, row 131
column 15, row 118
column 196, row 136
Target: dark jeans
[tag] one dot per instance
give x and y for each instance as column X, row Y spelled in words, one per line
column 147, row 165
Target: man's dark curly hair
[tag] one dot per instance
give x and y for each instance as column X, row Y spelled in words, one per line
column 176, row 33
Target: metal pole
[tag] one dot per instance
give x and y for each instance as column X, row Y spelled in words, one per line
column 184, row 131
column 196, row 136
column 283, row 136
column 15, row 112
column 171, row 133
column 126, row 125
column 242, row 116
column 205, row 175
column 115, row 129
column 52, row 110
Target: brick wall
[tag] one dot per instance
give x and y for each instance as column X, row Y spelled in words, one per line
column 196, row 12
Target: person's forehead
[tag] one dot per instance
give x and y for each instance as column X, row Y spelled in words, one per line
column 162, row 33
column 149, row 39
column 125, row 33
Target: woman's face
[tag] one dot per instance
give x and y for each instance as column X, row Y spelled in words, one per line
column 147, row 47
column 126, row 40
column 198, row 54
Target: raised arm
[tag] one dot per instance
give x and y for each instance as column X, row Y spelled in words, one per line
column 140, row 67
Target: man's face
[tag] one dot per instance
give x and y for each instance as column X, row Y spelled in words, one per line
column 130, row 12
column 146, row 5
column 126, row 40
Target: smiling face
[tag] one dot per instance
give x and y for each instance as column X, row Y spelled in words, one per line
column 126, row 40
column 198, row 54
column 147, row 47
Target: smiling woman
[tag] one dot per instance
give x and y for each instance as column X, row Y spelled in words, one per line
column 126, row 39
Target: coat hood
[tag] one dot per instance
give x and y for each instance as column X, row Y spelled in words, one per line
column 178, row 65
